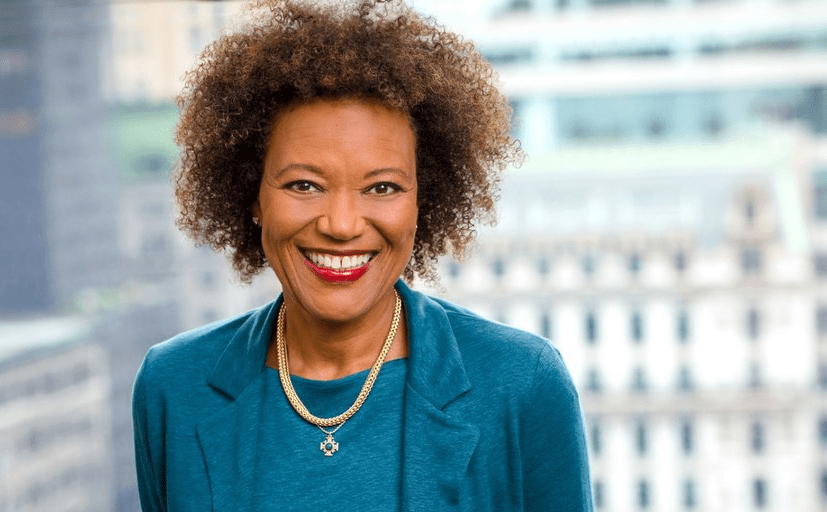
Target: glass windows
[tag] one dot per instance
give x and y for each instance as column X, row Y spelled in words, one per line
column 820, row 194
column 593, row 383
column 643, row 497
column 751, row 260
column 684, row 379
column 639, row 383
column 637, row 327
column 689, row 499
column 683, row 326
column 821, row 320
column 595, row 439
column 757, row 439
column 635, row 263
column 759, row 493
column 641, row 438
column 498, row 266
column 679, row 260
column 545, row 325
column 820, row 265
column 687, row 437
column 591, row 327
column 753, row 323
column 598, row 494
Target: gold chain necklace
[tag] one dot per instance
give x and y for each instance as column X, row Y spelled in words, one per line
column 329, row 445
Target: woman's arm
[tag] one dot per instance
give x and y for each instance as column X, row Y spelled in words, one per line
column 150, row 478
column 552, row 443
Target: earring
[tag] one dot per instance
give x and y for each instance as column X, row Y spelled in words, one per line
column 256, row 221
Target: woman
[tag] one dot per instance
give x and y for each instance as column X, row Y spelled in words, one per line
column 343, row 148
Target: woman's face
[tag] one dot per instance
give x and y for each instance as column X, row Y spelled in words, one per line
column 337, row 205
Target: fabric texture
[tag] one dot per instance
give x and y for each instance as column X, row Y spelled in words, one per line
column 492, row 421
column 293, row 475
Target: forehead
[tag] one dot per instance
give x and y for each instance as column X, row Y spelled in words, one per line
column 330, row 125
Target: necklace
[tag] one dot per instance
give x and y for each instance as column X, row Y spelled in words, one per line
column 329, row 446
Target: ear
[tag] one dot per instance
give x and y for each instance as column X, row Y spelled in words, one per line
column 256, row 210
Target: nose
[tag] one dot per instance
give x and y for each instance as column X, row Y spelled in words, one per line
column 342, row 218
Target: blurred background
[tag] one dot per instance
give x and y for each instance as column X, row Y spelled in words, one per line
column 668, row 234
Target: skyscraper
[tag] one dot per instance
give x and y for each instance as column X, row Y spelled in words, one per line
column 56, row 186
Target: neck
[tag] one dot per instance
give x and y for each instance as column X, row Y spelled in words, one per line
column 322, row 350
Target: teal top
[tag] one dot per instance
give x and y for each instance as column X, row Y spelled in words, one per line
column 293, row 474
column 490, row 418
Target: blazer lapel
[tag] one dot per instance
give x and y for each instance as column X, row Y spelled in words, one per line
column 438, row 442
column 229, row 437
column 229, row 444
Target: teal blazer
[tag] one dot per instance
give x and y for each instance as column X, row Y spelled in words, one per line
column 492, row 420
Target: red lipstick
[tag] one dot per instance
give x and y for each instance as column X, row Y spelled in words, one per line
column 338, row 276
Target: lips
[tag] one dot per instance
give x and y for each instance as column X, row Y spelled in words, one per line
column 338, row 268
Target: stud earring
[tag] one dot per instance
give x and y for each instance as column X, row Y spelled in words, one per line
column 256, row 221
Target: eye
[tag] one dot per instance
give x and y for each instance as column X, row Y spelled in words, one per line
column 304, row 187
column 384, row 189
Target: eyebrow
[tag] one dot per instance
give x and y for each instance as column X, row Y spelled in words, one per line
column 315, row 170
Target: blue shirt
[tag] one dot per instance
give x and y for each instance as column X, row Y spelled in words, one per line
column 293, row 474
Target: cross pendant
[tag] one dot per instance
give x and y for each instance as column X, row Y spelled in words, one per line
column 329, row 446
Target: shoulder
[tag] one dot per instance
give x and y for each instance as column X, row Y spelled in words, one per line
column 190, row 356
column 491, row 349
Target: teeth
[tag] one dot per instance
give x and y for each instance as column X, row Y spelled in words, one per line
column 338, row 262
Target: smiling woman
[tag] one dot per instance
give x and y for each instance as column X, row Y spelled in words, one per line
column 345, row 147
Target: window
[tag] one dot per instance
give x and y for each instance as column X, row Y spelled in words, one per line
column 637, row 327
column 595, row 439
column 689, row 500
column 757, row 437
column 753, row 323
column 593, row 383
column 749, row 211
column 591, row 327
column 822, row 431
column 820, row 194
column 684, row 379
column 634, row 263
column 641, row 441
column 759, row 493
column 453, row 269
column 498, row 266
column 820, row 265
column 542, row 265
column 643, row 494
column 822, row 376
column 750, row 260
column 588, row 264
column 639, row 381
column 823, row 485
column 687, row 437
column 680, row 261
column 683, row 326
column 545, row 325
column 821, row 320
column 599, row 499
column 755, row 380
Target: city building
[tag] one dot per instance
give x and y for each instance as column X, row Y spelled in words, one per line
column 57, row 189
column 55, row 431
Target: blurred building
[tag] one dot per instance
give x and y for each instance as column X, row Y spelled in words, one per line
column 669, row 235
column 57, row 190
column 55, row 432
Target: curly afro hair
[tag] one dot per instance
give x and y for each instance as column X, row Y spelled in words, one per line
column 372, row 50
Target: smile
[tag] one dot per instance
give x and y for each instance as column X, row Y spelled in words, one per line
column 336, row 268
column 333, row 262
